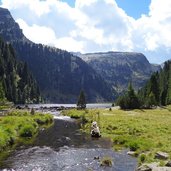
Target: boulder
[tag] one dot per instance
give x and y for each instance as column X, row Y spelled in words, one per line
column 153, row 167
column 144, row 168
column 162, row 155
column 148, row 167
column 132, row 153
column 162, row 169
column 168, row 164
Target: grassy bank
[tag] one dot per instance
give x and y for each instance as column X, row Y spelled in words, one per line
column 20, row 124
column 142, row 131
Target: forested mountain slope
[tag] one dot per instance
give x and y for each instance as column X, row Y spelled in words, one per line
column 59, row 74
column 16, row 82
column 157, row 91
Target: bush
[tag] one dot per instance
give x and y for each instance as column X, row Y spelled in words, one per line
column 134, row 145
column 27, row 131
column 106, row 161
column 142, row 158
column 43, row 119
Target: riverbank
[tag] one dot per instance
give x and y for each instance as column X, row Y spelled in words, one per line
column 18, row 124
column 64, row 147
column 145, row 132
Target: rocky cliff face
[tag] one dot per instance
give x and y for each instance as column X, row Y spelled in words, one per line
column 60, row 75
column 9, row 29
column 119, row 68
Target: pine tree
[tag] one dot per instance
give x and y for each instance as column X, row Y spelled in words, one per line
column 129, row 100
column 2, row 93
column 81, row 104
column 168, row 96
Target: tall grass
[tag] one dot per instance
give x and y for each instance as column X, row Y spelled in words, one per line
column 19, row 124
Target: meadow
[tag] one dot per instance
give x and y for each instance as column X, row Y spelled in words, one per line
column 143, row 131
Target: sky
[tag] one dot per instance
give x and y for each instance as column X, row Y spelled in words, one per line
column 97, row 25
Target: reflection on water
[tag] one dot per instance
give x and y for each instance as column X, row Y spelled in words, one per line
column 63, row 147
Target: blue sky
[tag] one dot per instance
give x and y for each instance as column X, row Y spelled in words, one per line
column 97, row 25
column 70, row 2
column 134, row 8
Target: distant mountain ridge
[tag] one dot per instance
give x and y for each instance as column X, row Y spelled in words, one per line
column 60, row 74
column 119, row 68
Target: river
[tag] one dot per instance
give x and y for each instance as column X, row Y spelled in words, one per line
column 63, row 147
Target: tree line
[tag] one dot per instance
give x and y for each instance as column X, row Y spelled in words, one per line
column 156, row 92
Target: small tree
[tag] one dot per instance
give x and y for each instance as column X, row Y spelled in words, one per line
column 2, row 94
column 129, row 100
column 81, row 103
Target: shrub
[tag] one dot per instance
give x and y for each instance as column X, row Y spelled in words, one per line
column 142, row 158
column 134, row 145
column 27, row 131
column 43, row 119
column 32, row 112
column 106, row 161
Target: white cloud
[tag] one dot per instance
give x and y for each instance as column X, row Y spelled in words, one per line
column 94, row 25
column 38, row 34
column 68, row 43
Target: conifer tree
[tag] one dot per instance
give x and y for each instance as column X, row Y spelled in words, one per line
column 2, row 93
column 157, row 91
column 129, row 100
column 81, row 104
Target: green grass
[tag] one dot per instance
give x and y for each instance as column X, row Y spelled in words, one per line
column 5, row 105
column 20, row 124
column 142, row 131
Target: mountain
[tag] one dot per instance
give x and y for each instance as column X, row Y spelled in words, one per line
column 120, row 68
column 9, row 29
column 16, row 82
column 60, row 75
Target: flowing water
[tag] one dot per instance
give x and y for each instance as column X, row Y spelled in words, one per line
column 63, row 147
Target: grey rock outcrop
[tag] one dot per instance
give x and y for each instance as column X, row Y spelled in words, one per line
column 119, row 68
column 162, row 155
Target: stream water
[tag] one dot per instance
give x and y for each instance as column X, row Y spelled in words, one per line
column 63, row 147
